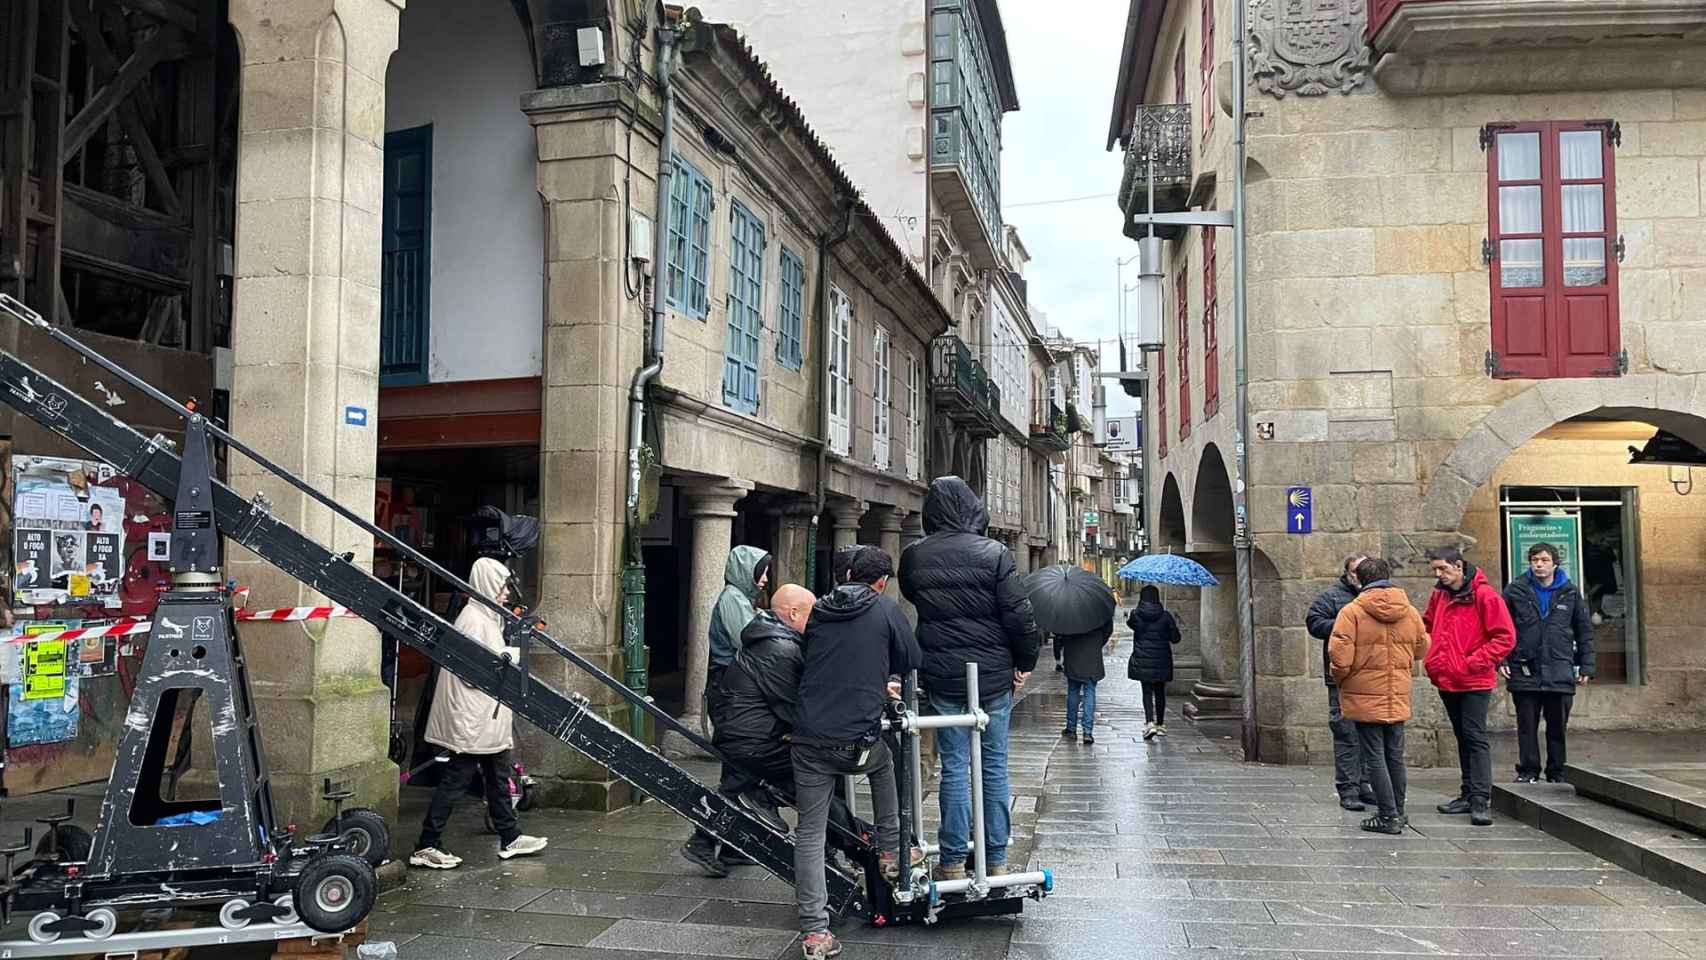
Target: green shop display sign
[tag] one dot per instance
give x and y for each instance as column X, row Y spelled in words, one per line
column 1564, row 531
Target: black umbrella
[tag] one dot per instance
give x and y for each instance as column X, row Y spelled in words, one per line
column 1069, row 599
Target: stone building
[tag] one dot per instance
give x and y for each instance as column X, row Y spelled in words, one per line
column 1475, row 260
column 436, row 293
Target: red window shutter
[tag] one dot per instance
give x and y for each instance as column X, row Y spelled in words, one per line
column 1179, row 95
column 1207, row 67
column 1179, row 293
column 1161, row 401
column 1554, row 283
column 1211, row 337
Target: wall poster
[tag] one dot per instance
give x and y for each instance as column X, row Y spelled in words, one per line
column 68, row 533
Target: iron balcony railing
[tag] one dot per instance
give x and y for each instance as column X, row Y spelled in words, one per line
column 962, row 382
column 1162, row 133
column 1049, row 425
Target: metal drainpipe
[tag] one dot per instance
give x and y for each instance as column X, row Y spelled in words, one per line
column 634, row 653
column 825, row 243
column 1241, row 459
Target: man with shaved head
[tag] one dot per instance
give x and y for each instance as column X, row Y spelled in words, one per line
column 760, row 692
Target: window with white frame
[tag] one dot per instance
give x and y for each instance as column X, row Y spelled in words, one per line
column 914, row 416
column 882, row 390
column 840, row 371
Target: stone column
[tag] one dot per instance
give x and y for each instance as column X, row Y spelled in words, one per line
column 305, row 386
column 846, row 515
column 911, row 531
column 1218, row 695
column 712, row 509
column 889, row 523
column 793, row 541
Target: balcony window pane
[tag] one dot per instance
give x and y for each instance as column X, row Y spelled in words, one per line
column 1519, row 209
column 1581, row 155
column 1584, row 262
column 1584, row 208
column 1519, row 156
column 1519, row 264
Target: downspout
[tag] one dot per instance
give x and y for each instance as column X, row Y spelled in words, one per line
column 1241, row 351
column 634, row 653
column 826, row 242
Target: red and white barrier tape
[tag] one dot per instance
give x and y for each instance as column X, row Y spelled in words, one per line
column 293, row 614
column 129, row 627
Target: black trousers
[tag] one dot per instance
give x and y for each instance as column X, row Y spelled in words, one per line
column 1154, row 702
column 1530, row 708
column 1468, row 713
column 1382, row 748
column 1349, row 776
column 454, row 779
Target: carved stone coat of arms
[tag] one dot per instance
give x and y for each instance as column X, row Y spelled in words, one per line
column 1308, row 47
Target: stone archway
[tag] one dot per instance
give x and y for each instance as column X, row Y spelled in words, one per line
column 1218, row 695
column 1212, row 510
column 1170, row 523
column 1670, row 402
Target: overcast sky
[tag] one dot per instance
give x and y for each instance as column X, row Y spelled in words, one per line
column 1052, row 149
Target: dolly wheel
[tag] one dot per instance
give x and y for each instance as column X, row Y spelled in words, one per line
column 363, row 833
column 39, row 931
column 335, row 892
column 106, row 922
column 228, row 914
column 288, row 917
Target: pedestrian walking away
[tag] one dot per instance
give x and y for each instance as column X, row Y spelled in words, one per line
column 1349, row 777
column 858, row 645
column 1371, row 654
column 1154, row 634
column 971, row 608
column 479, row 734
column 1553, row 655
column 1084, row 668
column 1471, row 634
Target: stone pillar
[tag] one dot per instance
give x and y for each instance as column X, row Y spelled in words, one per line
column 712, row 509
column 306, row 337
column 846, row 515
column 911, row 531
column 1218, row 695
column 889, row 522
column 592, row 343
column 1021, row 555
column 793, row 540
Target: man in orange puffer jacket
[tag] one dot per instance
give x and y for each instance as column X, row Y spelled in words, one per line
column 1472, row 633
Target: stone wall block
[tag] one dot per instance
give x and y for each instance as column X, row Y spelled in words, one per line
column 1434, row 198
column 1442, row 509
column 1677, row 347
column 1676, row 243
column 1384, row 463
column 1366, row 154
column 1638, row 390
column 1418, row 352
column 1570, row 398
column 1478, row 454
column 1520, row 418
column 1424, row 249
column 1658, row 187
column 1384, row 506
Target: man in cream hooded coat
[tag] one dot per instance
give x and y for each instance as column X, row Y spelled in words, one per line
column 477, row 732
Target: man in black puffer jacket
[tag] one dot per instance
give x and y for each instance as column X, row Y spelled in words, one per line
column 1349, row 776
column 971, row 609
column 1553, row 655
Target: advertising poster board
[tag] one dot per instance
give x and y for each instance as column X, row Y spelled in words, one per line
column 1561, row 530
column 68, row 533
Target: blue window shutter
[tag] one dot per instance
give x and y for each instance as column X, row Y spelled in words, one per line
column 790, row 310
column 745, row 309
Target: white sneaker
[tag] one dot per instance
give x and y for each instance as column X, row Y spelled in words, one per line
column 1149, row 731
column 1160, row 730
column 433, row 858
column 523, row 846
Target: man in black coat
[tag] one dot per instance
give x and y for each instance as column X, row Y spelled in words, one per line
column 1553, row 655
column 758, row 695
column 1349, row 775
column 858, row 645
column 971, row 609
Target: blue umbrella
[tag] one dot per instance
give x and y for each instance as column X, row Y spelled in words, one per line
column 1169, row 569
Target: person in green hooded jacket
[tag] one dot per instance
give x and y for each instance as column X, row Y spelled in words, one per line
column 745, row 575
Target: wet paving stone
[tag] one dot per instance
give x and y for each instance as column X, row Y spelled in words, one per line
column 435, row 947
column 702, row 940
column 615, row 906
column 493, row 924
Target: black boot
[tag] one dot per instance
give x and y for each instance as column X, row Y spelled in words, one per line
column 1454, row 808
column 701, row 850
column 1481, row 813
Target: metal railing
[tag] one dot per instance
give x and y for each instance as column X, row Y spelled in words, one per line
column 952, row 367
column 1160, row 133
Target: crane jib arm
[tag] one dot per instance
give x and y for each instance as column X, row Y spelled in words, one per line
column 569, row 718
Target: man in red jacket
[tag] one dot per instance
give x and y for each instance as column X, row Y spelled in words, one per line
column 1471, row 633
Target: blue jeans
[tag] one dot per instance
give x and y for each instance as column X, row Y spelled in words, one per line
column 955, row 793
column 1077, row 692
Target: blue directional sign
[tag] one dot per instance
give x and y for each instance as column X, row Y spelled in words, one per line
column 1299, row 510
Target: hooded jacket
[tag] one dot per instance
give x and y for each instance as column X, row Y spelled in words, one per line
column 1083, row 653
column 1154, row 633
column 463, row 719
column 1471, row 634
column 971, row 606
column 735, row 603
column 1551, row 644
column 1377, row 639
column 1323, row 612
column 761, row 689
column 855, row 642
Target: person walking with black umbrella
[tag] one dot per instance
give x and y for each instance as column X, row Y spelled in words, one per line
column 1078, row 608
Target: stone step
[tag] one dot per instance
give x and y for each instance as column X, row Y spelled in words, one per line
column 1659, row 791
column 1640, row 844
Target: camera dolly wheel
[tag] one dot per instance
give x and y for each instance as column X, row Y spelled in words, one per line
column 335, row 891
column 363, row 833
column 228, row 914
column 38, row 928
column 106, row 923
column 288, row 917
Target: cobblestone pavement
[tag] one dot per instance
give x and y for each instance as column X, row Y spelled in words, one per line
column 1171, row 850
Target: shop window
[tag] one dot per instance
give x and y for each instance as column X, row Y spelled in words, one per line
column 745, row 309
column 405, row 284
column 1597, row 529
column 1553, row 250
